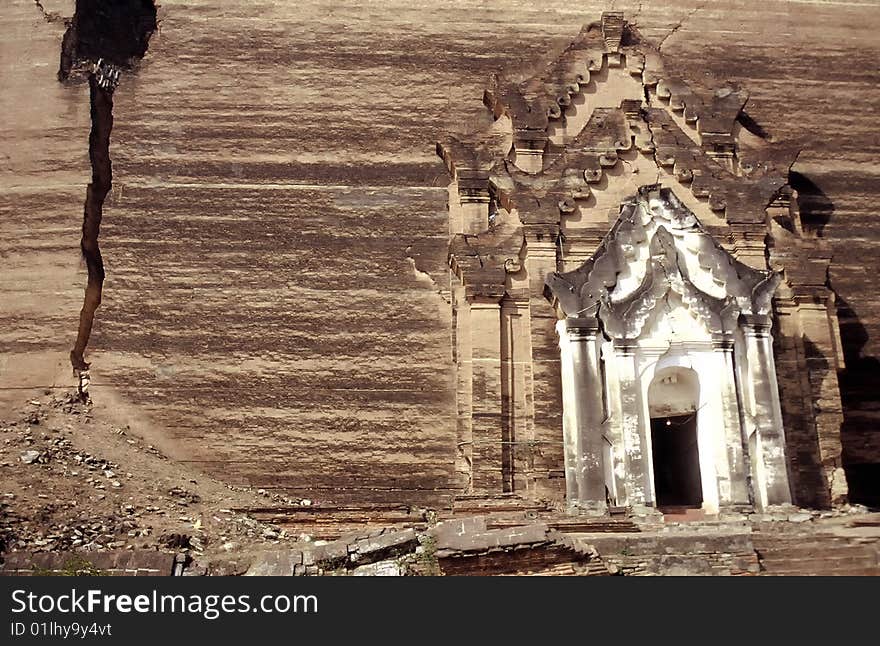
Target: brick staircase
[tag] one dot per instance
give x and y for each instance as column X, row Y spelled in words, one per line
column 816, row 555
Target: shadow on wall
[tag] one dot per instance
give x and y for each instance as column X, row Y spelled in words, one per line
column 860, row 379
column 860, row 396
column 815, row 207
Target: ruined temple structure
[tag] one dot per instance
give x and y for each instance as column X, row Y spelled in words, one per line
column 624, row 284
column 640, row 317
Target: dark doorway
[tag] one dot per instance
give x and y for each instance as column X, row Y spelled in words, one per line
column 677, row 480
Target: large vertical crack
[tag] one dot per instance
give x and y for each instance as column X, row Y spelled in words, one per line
column 103, row 38
column 101, row 99
column 646, row 118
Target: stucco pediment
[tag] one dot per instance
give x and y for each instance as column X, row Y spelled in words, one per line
column 656, row 245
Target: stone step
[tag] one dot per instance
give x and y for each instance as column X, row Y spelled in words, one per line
column 831, row 559
column 842, row 571
column 683, row 514
column 779, row 557
column 573, row 525
column 813, row 547
column 815, row 551
column 816, row 555
column 829, row 565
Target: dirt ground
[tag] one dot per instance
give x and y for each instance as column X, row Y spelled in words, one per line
column 69, row 480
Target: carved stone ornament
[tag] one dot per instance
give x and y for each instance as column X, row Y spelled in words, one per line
column 657, row 245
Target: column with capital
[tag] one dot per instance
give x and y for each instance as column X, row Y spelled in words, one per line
column 584, row 414
column 769, row 460
column 633, row 425
column 736, row 490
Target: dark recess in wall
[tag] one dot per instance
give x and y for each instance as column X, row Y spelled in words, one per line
column 118, row 31
column 859, row 394
column 815, row 207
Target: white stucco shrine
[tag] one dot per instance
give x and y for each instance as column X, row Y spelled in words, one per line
column 668, row 379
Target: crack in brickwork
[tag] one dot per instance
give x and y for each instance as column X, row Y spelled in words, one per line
column 678, row 26
column 102, row 38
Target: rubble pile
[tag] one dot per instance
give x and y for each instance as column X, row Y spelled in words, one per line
column 71, row 483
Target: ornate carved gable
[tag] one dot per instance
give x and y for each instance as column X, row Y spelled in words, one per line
column 599, row 122
column 609, row 186
column 658, row 245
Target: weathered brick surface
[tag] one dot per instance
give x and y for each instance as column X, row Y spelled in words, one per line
column 688, row 554
column 277, row 563
column 478, row 541
column 120, row 563
column 384, row 545
column 820, row 554
column 542, row 560
column 347, row 553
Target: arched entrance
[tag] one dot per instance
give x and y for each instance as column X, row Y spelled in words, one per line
column 673, row 403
